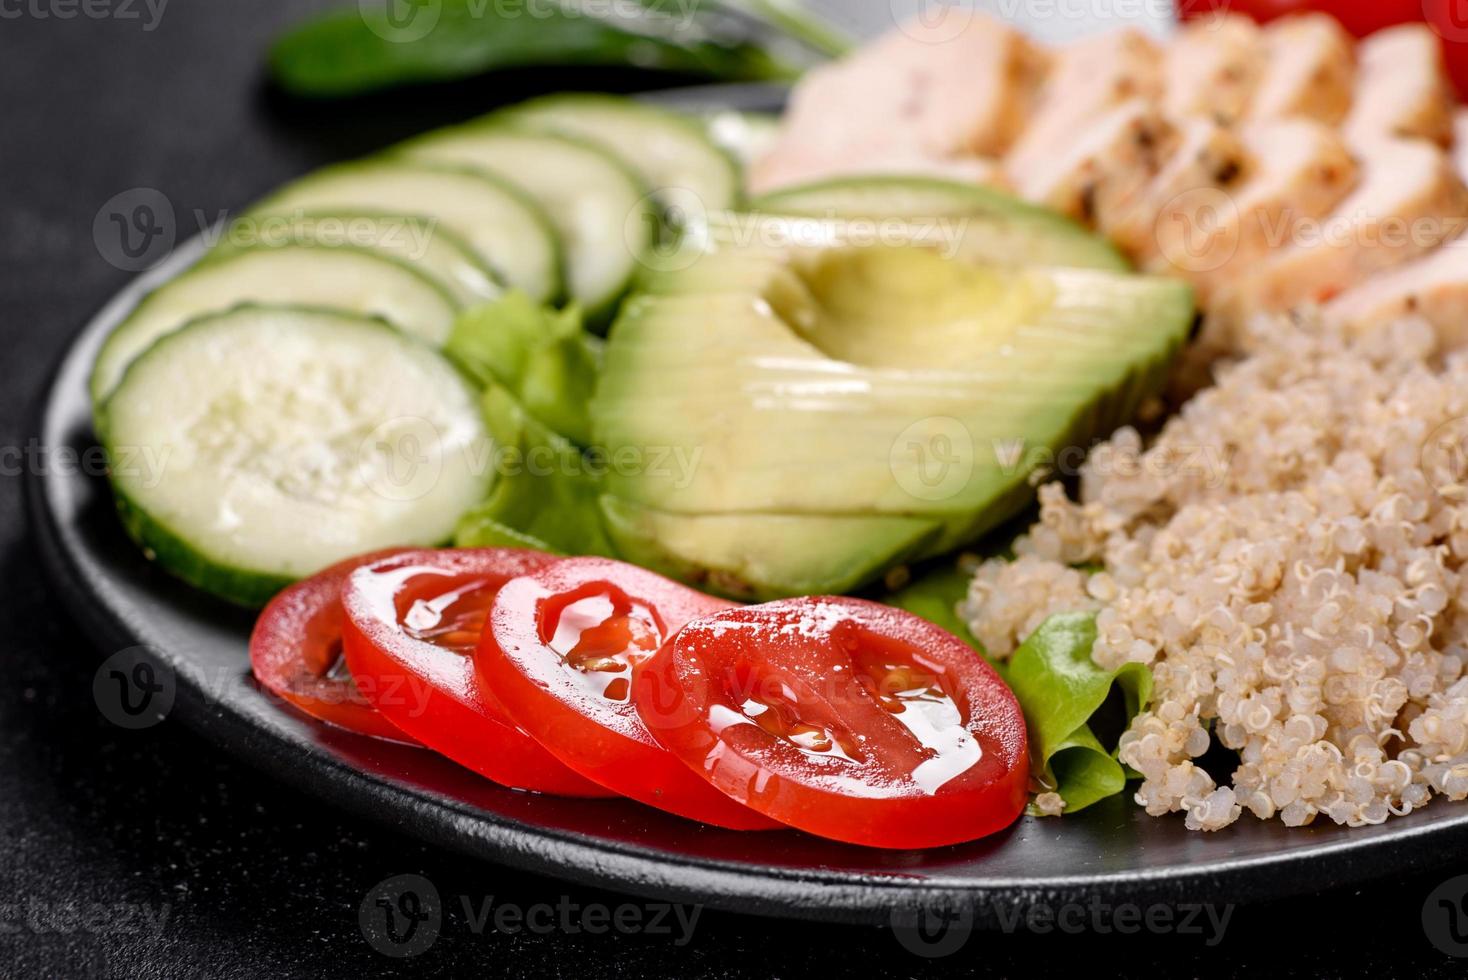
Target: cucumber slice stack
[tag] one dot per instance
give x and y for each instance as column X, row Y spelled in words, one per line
column 509, row 233
column 256, row 377
column 597, row 206
column 674, row 155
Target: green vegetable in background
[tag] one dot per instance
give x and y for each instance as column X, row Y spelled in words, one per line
column 360, row 49
column 790, row 18
column 545, row 490
column 1061, row 689
column 540, row 355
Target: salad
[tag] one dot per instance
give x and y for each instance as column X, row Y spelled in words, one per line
column 713, row 414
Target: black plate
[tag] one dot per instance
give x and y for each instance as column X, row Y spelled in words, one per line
column 1111, row 853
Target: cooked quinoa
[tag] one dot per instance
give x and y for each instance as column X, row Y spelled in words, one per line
column 1288, row 556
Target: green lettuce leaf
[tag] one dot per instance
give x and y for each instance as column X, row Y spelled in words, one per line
column 935, row 597
column 539, row 355
column 1058, row 685
column 1061, row 689
column 545, row 491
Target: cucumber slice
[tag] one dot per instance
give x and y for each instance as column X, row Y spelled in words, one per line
column 599, row 208
column 672, row 154
column 350, row 279
column 410, row 238
column 1031, row 234
column 509, row 233
column 256, row 446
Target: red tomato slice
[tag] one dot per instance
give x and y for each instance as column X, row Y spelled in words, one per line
column 560, row 653
column 1359, row 17
column 412, row 623
column 296, row 652
column 844, row 718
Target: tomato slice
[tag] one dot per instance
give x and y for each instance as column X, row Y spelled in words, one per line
column 845, row 718
column 560, row 652
column 296, row 653
column 412, row 623
column 1358, row 17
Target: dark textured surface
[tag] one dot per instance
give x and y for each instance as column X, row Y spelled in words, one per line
column 259, row 880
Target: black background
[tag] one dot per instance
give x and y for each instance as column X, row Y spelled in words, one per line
column 259, row 880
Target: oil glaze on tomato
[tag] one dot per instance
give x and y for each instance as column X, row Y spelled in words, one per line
column 561, row 652
column 412, row 624
column 844, row 718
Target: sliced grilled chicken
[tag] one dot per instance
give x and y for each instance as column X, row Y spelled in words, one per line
column 1300, row 170
column 1209, row 160
column 1309, row 70
column 1086, row 78
column 1212, row 67
column 1434, row 287
column 774, row 171
column 958, row 84
column 1402, row 89
column 1409, row 200
column 816, row 134
column 1104, row 168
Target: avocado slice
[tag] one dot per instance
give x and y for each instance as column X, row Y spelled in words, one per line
column 824, row 380
column 1016, row 231
column 755, row 557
